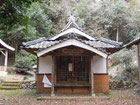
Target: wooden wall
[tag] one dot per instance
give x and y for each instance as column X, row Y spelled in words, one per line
column 70, row 90
column 101, row 85
column 40, row 86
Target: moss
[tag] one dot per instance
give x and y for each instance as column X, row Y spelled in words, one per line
column 9, row 93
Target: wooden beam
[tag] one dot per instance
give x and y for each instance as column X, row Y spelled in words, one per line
column 53, row 77
column 3, row 49
column 3, row 53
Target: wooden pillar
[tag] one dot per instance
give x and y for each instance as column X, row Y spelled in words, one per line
column 139, row 62
column 72, row 67
column 53, row 76
column 90, row 71
column 37, row 69
column 92, row 78
column 6, row 60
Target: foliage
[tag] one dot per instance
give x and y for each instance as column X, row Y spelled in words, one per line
column 24, row 20
column 40, row 24
column 14, row 21
column 104, row 18
column 128, row 76
column 12, row 12
column 25, row 60
column 25, row 78
column 117, row 16
column 122, row 56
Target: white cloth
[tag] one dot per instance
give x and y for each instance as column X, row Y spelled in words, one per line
column 46, row 82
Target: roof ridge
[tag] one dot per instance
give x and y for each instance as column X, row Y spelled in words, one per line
column 71, row 23
column 34, row 41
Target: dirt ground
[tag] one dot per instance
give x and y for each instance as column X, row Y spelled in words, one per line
column 29, row 97
column 13, row 76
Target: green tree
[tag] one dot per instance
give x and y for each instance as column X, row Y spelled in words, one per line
column 12, row 12
column 118, row 17
column 14, row 21
column 39, row 24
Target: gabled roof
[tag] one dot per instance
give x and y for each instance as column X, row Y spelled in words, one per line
column 4, row 45
column 101, row 45
column 72, row 27
column 72, row 31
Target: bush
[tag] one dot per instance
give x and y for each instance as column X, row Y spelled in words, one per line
column 25, row 61
column 25, row 78
column 123, row 56
column 127, row 77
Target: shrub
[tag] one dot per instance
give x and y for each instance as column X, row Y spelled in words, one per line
column 25, row 61
column 123, row 56
column 127, row 77
column 25, row 78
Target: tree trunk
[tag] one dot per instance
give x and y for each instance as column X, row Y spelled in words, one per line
column 117, row 36
column 139, row 62
column 16, row 49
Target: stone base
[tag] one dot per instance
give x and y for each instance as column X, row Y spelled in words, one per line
column 93, row 95
column 52, row 95
column 3, row 73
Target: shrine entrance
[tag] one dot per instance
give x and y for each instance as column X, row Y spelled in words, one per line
column 72, row 70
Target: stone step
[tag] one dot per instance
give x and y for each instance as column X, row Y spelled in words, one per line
column 10, row 87
column 10, row 84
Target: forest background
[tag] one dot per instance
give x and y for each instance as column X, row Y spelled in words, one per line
column 25, row 20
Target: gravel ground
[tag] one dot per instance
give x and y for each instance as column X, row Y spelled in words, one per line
column 30, row 101
column 28, row 97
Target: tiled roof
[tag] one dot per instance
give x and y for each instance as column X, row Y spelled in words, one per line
column 136, row 41
column 44, row 43
column 48, row 43
column 112, row 42
column 101, row 44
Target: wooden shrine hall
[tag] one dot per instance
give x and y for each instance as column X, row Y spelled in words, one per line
column 72, row 61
